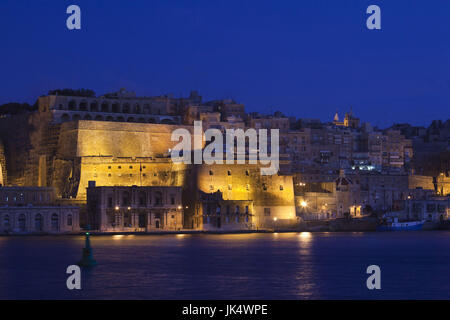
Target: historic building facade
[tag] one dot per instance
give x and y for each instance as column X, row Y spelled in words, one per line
column 134, row 208
column 121, row 140
column 33, row 210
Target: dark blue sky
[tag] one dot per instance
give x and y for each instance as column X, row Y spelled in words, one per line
column 306, row 58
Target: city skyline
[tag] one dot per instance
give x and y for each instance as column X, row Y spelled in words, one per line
column 306, row 60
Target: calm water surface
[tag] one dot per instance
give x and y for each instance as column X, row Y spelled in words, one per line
column 414, row 265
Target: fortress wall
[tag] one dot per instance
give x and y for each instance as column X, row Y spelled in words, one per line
column 94, row 150
column 417, row 181
column 280, row 202
column 108, row 171
column 117, row 139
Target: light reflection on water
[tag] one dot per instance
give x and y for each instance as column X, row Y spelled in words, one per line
column 235, row 266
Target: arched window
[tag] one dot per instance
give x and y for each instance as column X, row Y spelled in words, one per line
column 65, row 117
column 55, row 222
column 83, row 106
column 115, row 107
column 87, row 117
column 151, row 120
column 126, row 108
column 94, row 106
column 120, row 119
column 98, row 118
column 69, row 220
column 22, row 222
column 72, row 105
column 76, row 117
column 109, row 118
column 38, row 222
column 131, row 119
column 105, row 107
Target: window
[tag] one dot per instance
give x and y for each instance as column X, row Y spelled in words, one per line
column 119, row 167
column 22, row 222
column 6, row 221
column 158, row 198
column 69, row 220
column 247, row 187
column 229, row 187
column 211, row 172
column 131, row 167
column 264, row 186
column 172, row 199
column 142, row 199
column 246, row 172
column 229, row 172
column 281, row 187
column 55, row 222
column 267, row 212
column 110, row 202
column 125, row 199
column 38, row 222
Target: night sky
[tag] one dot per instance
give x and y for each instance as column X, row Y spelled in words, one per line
column 305, row 58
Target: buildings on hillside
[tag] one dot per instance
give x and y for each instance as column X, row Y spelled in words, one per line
column 34, row 209
column 327, row 170
column 134, row 208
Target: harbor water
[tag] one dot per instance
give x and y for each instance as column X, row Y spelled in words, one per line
column 414, row 265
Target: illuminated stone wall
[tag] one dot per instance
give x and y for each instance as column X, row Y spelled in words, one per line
column 423, row 182
column 443, row 184
column 272, row 196
column 114, row 154
column 3, row 173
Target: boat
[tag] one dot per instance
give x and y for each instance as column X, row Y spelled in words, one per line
column 395, row 225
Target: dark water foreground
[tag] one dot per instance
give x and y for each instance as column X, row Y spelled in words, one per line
column 414, row 265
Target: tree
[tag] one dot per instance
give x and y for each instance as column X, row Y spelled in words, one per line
column 73, row 92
